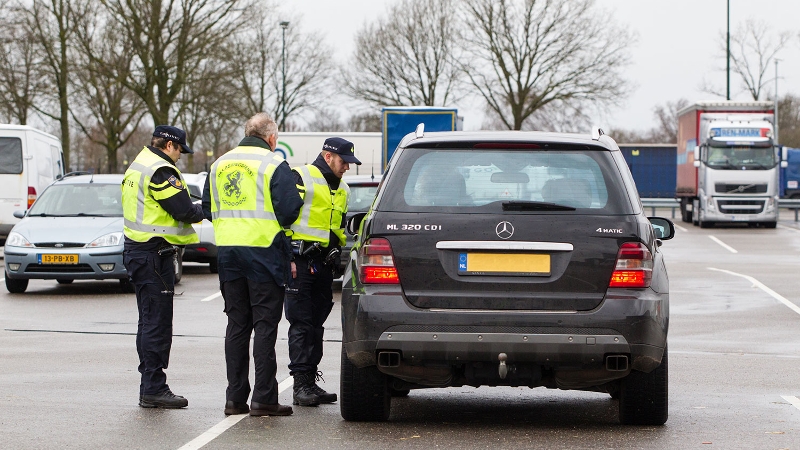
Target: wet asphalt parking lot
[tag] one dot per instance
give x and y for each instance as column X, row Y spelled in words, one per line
column 68, row 375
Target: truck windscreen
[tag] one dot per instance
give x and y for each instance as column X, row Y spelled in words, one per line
column 741, row 158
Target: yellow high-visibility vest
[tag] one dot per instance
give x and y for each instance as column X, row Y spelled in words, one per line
column 144, row 216
column 241, row 202
column 323, row 208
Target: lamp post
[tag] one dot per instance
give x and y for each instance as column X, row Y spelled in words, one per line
column 776, row 101
column 284, row 26
column 729, row 50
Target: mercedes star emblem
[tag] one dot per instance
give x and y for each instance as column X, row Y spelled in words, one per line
column 504, row 230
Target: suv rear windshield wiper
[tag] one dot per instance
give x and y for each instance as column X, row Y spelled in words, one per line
column 535, row 206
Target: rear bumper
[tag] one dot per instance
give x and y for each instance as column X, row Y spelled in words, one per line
column 575, row 346
column 203, row 252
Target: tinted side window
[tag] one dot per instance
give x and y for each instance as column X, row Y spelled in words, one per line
column 10, row 155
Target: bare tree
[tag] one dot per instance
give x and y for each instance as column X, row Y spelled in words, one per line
column 667, row 119
column 527, row 54
column 21, row 78
column 364, row 122
column 753, row 49
column 665, row 132
column 408, row 56
column 105, row 110
column 170, row 39
column 789, row 121
column 326, row 119
column 258, row 69
column 53, row 25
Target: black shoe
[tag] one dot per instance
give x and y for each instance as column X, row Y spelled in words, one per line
column 263, row 409
column 232, row 407
column 303, row 392
column 324, row 396
column 164, row 399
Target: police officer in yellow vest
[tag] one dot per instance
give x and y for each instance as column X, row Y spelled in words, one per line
column 158, row 216
column 251, row 198
column 317, row 235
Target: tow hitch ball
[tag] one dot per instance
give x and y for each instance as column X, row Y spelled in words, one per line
column 502, row 370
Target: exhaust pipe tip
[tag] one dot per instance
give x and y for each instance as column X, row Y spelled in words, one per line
column 617, row 363
column 388, row 359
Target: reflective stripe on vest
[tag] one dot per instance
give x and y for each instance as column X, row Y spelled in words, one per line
column 241, row 202
column 149, row 219
column 327, row 207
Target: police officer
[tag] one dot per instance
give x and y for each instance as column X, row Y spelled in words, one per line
column 318, row 235
column 158, row 216
column 250, row 197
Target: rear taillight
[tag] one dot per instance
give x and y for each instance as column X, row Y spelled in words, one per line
column 634, row 267
column 376, row 262
column 31, row 196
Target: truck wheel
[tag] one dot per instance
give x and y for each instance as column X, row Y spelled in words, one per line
column 643, row 396
column 365, row 393
column 16, row 286
column 686, row 216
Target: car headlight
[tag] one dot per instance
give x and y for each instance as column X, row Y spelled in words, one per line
column 108, row 240
column 15, row 239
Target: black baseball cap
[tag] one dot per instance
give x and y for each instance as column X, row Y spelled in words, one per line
column 173, row 134
column 341, row 147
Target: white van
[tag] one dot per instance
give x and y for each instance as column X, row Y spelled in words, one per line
column 29, row 161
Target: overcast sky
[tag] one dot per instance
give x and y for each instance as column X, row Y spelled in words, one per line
column 677, row 48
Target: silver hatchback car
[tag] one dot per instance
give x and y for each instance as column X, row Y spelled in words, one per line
column 72, row 232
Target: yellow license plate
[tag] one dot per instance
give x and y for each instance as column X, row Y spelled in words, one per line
column 58, row 258
column 503, row 264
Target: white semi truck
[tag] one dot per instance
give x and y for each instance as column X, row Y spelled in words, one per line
column 727, row 164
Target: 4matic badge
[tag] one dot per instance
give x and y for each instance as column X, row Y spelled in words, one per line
column 609, row 230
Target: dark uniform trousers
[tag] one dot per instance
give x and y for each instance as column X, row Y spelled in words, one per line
column 309, row 301
column 252, row 306
column 154, row 278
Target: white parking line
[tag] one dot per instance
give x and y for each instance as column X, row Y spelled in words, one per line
column 784, row 227
column 226, row 423
column 793, row 400
column 724, row 245
column 212, row 297
column 764, row 288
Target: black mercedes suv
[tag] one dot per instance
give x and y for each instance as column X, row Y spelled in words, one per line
column 506, row 259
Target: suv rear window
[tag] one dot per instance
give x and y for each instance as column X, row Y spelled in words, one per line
column 10, row 155
column 482, row 180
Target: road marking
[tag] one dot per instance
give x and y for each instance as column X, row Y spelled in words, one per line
column 681, row 228
column 211, row 297
column 784, row 227
column 216, row 430
column 764, row 288
column 793, row 400
column 724, row 245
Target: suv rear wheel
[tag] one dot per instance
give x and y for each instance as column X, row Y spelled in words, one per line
column 365, row 393
column 643, row 396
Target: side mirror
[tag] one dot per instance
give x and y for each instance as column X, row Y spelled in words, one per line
column 664, row 228
column 354, row 223
column 20, row 214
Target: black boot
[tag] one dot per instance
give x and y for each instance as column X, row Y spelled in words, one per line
column 324, row 396
column 303, row 394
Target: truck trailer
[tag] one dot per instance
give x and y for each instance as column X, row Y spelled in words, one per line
column 727, row 164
